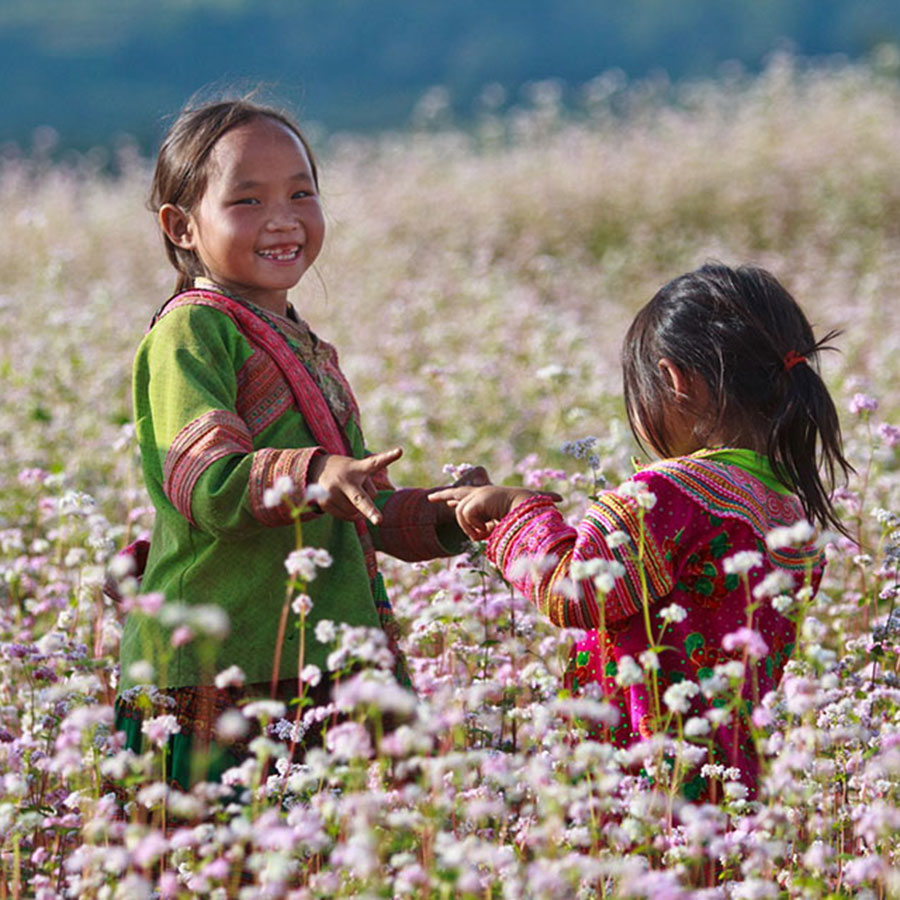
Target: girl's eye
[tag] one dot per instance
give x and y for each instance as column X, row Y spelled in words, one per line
column 246, row 201
column 301, row 195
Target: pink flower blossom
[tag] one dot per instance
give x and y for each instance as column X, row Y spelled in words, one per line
column 863, row 403
column 746, row 638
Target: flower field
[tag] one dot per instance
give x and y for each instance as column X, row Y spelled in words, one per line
column 477, row 285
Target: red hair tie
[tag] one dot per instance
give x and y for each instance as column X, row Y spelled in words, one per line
column 793, row 358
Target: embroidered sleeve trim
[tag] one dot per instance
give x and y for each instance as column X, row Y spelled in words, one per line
column 268, row 466
column 195, row 448
column 408, row 527
column 534, row 549
column 648, row 575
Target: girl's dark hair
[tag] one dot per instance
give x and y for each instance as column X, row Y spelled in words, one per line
column 741, row 332
column 182, row 164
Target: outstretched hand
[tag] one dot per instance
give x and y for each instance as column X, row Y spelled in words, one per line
column 480, row 509
column 350, row 491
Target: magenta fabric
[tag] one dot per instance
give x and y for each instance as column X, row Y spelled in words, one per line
column 675, row 523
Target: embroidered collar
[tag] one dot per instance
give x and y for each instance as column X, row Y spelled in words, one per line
column 755, row 464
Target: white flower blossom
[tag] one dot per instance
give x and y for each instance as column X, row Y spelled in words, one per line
column 274, row 496
column 678, row 696
column 673, row 613
column 628, row 672
column 233, row 676
column 742, row 562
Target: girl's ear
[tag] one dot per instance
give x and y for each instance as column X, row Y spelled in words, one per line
column 177, row 226
column 677, row 379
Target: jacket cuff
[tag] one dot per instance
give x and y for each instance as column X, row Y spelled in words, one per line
column 270, row 465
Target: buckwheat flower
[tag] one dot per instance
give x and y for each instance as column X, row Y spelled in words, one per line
column 552, row 372
column 649, row 660
column 76, row 503
column 742, row 562
column 746, row 638
column 303, row 563
column 302, row 604
column 160, row 728
column 281, row 729
column 800, row 694
column 348, row 741
column 142, row 672
column 149, row 849
column 818, row 856
column 371, row 688
column 628, row 672
column 75, row 557
column 31, row 477
column 586, row 708
column 775, row 583
column 890, row 434
column 211, row 620
column 268, row 710
column 678, row 696
column 581, row 448
column 325, row 631
column 864, row 869
column 274, row 496
column 801, row 532
column 150, row 604
column 153, row 794
column 231, row 726
column 532, row 567
column 696, row 727
column 263, row 748
column 233, row 676
column 311, row 675
column 636, row 491
column 862, row 403
column 181, row 635
column 733, row 670
column 673, row 613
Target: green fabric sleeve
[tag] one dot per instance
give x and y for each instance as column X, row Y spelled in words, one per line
column 202, row 456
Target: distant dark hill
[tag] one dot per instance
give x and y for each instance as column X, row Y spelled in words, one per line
column 93, row 69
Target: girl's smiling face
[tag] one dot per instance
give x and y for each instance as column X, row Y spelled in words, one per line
column 259, row 225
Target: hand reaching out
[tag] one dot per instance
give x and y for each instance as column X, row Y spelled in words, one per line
column 479, row 509
column 348, row 482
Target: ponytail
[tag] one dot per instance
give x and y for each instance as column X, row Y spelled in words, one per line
column 804, row 440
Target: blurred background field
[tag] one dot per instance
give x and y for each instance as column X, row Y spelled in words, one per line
column 486, row 251
column 478, row 282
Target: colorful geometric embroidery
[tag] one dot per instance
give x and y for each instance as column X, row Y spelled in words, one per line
column 195, row 448
column 648, row 574
column 270, row 464
column 729, row 492
column 262, row 393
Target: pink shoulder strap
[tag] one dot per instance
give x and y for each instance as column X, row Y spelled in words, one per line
column 307, row 394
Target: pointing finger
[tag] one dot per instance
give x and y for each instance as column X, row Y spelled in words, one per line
column 365, row 505
column 381, row 460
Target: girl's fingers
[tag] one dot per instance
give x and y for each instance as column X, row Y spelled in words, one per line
column 377, row 461
column 361, row 501
column 475, row 476
column 445, row 495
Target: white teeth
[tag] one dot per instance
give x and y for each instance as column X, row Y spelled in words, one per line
column 282, row 255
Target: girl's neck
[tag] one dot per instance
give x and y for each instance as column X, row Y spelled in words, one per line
column 278, row 306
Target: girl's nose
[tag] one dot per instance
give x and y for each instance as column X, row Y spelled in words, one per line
column 283, row 219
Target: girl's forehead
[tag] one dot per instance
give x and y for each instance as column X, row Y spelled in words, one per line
column 258, row 144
